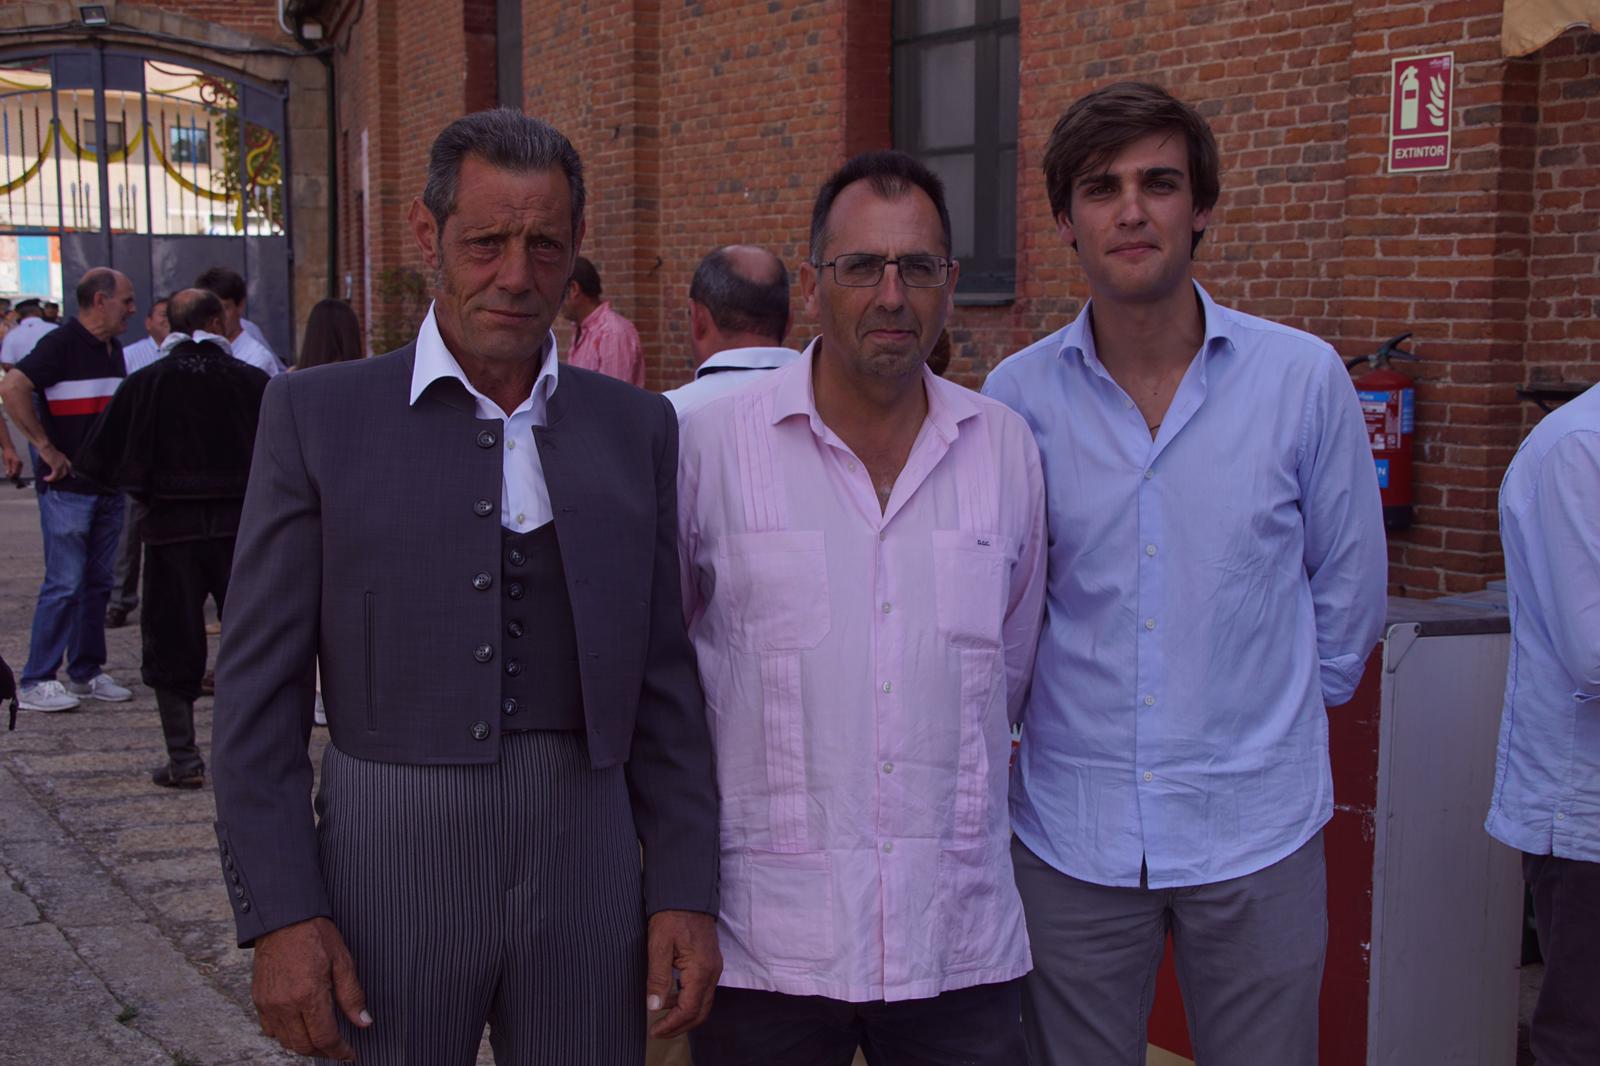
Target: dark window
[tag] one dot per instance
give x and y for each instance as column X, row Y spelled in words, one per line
column 508, row 53
column 955, row 108
column 190, row 144
column 116, row 136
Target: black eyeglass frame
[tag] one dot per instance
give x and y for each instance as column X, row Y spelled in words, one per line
column 884, row 262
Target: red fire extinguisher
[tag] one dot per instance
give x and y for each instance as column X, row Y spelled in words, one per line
column 1388, row 400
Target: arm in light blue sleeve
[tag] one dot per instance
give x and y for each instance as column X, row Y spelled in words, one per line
column 1346, row 551
column 1566, row 516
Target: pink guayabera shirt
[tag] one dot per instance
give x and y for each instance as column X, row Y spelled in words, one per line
column 608, row 343
column 861, row 669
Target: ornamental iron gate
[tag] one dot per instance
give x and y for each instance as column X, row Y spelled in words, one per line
column 158, row 167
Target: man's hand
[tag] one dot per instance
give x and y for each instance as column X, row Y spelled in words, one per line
column 58, row 465
column 300, row 971
column 10, row 459
column 685, row 941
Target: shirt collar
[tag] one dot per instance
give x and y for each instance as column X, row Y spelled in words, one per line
column 747, row 359
column 1079, row 337
column 434, row 361
column 173, row 339
column 948, row 403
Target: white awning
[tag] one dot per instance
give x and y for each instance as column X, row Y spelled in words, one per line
column 1529, row 25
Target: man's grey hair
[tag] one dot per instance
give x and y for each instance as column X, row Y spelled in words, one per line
column 506, row 139
column 741, row 304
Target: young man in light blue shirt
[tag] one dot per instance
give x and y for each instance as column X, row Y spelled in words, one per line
column 1216, row 582
column 1547, row 772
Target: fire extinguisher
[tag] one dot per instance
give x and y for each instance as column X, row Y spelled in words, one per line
column 1388, row 400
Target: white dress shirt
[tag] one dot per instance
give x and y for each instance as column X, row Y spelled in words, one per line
column 21, row 338
column 140, row 354
column 524, row 497
column 726, row 372
column 247, row 349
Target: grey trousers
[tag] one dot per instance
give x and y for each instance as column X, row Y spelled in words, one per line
column 1249, row 954
column 505, row 894
column 1566, row 910
column 125, row 586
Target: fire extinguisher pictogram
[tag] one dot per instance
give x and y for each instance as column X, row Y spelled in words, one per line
column 1388, row 400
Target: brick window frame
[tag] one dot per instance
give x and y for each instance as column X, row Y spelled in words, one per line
column 989, row 266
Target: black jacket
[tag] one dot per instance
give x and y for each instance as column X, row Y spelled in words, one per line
column 366, row 520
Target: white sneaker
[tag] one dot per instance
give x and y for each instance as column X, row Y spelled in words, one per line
column 46, row 696
column 102, row 687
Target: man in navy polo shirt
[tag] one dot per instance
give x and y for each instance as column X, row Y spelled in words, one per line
column 71, row 373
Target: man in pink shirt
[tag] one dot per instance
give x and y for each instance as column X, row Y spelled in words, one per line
column 602, row 339
column 863, row 566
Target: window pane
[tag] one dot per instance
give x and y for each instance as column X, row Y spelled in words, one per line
column 946, row 94
column 32, row 187
column 1009, row 74
column 912, row 17
column 1005, row 205
column 957, row 172
column 1008, row 8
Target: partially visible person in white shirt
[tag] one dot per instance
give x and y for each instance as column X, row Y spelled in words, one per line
column 141, row 353
column 20, row 339
column 246, row 339
column 738, row 316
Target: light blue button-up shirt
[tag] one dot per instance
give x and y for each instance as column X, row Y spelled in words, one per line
column 1210, row 593
column 1547, row 771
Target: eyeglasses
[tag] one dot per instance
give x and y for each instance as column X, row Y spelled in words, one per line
column 862, row 270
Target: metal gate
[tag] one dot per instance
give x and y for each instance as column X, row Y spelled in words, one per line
column 156, row 166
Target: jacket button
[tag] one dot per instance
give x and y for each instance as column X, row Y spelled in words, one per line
column 244, row 906
column 487, row 439
column 514, row 590
column 238, row 891
column 516, row 558
column 508, row 706
column 482, row 581
column 483, row 652
column 513, row 667
column 480, row 730
column 227, row 862
column 514, row 628
column 483, row 508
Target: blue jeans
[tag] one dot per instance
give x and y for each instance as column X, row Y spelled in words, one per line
column 80, row 554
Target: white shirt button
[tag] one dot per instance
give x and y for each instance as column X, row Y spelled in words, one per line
column 511, row 444
column 888, row 846
column 1561, row 816
column 888, row 767
column 1127, row 403
column 1148, row 474
column 1149, row 549
column 886, row 607
column 852, row 466
column 882, row 536
column 888, row 687
column 1149, row 623
column 1148, row 776
column 521, row 518
column 1149, row 701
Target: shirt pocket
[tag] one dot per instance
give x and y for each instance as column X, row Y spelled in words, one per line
column 972, row 577
column 791, row 906
column 970, row 903
column 778, row 583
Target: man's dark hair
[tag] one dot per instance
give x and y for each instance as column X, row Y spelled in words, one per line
column 162, row 298
column 224, row 282
column 51, row 310
column 29, row 308
column 1102, row 123
column 506, row 139
column 190, row 310
column 96, row 281
column 891, row 175
column 739, row 304
column 587, row 277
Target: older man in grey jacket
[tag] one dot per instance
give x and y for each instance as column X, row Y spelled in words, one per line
column 513, row 704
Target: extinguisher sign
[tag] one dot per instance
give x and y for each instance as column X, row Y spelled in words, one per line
column 1421, row 101
column 1388, row 414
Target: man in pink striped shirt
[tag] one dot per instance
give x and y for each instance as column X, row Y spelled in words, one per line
column 602, row 340
column 863, row 566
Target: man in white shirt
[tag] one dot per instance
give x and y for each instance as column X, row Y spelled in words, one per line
column 21, row 338
column 738, row 315
column 247, row 345
column 141, row 353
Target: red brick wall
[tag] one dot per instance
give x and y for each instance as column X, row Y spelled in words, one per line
column 707, row 123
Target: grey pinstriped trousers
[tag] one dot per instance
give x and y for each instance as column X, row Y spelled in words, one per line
column 505, row 894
